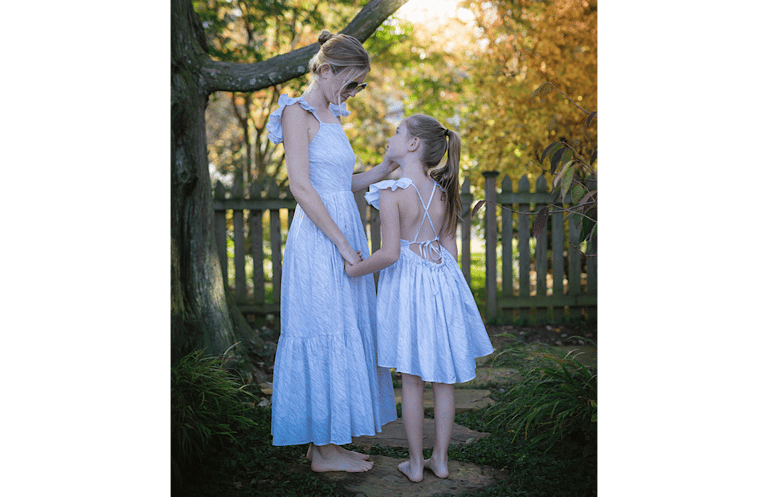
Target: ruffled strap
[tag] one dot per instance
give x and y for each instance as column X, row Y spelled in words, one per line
column 372, row 195
column 275, row 124
column 339, row 110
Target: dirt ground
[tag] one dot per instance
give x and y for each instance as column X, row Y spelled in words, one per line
column 548, row 334
column 501, row 336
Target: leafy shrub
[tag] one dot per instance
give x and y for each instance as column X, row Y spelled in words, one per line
column 206, row 408
column 556, row 399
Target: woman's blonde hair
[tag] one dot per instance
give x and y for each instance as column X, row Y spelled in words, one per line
column 436, row 141
column 342, row 53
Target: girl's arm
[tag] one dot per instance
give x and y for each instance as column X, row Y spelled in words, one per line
column 390, row 236
column 296, row 141
column 448, row 240
column 361, row 181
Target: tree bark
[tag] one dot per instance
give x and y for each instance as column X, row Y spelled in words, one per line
column 203, row 313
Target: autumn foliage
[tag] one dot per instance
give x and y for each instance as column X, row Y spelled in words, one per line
column 523, row 45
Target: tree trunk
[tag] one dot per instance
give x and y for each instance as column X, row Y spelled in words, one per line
column 203, row 313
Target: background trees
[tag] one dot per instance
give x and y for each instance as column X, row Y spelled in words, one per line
column 245, row 31
column 521, row 45
column 471, row 64
column 474, row 67
column 203, row 312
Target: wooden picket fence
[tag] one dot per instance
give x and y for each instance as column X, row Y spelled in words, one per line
column 533, row 283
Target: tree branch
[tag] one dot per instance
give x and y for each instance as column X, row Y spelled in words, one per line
column 233, row 76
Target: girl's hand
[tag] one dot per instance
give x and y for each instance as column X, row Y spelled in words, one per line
column 347, row 268
column 348, row 265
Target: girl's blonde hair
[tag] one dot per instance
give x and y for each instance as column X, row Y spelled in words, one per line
column 343, row 53
column 436, row 140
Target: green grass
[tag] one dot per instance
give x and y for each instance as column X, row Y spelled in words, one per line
column 254, row 468
column 562, row 462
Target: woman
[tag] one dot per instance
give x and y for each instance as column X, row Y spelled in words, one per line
column 326, row 386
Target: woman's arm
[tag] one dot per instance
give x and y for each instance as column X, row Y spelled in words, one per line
column 296, row 141
column 390, row 236
column 361, row 181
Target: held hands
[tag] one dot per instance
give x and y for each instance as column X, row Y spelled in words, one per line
column 348, row 264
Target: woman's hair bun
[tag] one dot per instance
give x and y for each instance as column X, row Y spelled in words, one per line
column 324, row 36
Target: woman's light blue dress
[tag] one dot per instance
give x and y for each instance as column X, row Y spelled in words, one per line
column 428, row 323
column 326, row 385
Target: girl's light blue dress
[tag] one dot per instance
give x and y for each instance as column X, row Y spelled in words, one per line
column 428, row 323
column 326, row 385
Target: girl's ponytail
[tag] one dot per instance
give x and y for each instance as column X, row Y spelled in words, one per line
column 448, row 178
column 437, row 141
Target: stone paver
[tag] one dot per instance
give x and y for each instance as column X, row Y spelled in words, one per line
column 393, row 435
column 385, row 480
column 467, row 399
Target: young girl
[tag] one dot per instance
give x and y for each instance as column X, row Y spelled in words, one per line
column 428, row 325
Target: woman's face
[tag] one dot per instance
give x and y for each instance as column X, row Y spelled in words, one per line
column 341, row 86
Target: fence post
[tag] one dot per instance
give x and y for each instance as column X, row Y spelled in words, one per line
column 591, row 184
column 524, row 244
column 491, row 239
column 275, row 238
column 506, row 242
column 541, row 255
column 466, row 232
column 239, row 237
column 257, row 242
column 557, row 260
column 220, row 220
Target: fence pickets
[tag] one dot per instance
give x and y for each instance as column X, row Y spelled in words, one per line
column 508, row 294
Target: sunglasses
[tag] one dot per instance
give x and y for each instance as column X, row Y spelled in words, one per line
column 354, row 87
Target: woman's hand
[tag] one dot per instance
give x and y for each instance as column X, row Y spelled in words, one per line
column 350, row 256
column 389, row 164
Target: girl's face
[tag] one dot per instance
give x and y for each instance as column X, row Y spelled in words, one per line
column 397, row 145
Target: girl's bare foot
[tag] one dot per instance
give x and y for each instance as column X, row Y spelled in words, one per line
column 440, row 470
column 350, row 453
column 330, row 458
column 415, row 474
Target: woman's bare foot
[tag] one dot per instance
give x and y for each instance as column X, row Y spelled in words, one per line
column 331, row 458
column 415, row 474
column 440, row 470
column 350, row 453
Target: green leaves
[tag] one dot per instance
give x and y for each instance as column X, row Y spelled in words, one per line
column 556, row 398
column 557, row 153
column 476, row 208
column 542, row 91
column 588, row 224
column 206, row 408
column 577, row 193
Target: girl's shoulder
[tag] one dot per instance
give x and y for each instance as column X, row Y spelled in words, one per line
column 374, row 191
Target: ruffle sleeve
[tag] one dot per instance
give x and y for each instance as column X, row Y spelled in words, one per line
column 372, row 195
column 275, row 124
column 339, row 110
